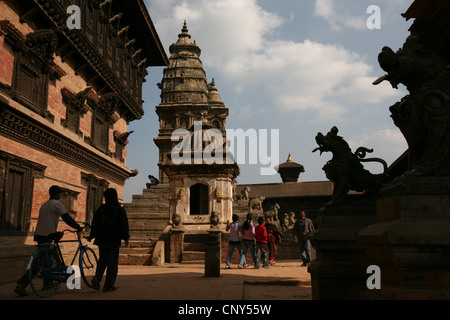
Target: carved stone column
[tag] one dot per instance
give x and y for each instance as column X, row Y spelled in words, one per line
column 339, row 270
column 176, row 245
column 410, row 242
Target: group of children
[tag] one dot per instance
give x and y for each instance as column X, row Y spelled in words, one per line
column 250, row 233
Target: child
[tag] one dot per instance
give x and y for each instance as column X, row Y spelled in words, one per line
column 235, row 241
column 261, row 244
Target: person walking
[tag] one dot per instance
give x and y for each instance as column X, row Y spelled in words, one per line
column 109, row 228
column 303, row 227
column 248, row 241
column 274, row 239
column 261, row 244
column 47, row 224
column 235, row 241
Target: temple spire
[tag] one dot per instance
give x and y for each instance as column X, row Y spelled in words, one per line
column 184, row 31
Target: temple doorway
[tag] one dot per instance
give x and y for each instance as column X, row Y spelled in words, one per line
column 199, row 199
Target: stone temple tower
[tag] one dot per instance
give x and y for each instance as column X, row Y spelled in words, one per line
column 191, row 140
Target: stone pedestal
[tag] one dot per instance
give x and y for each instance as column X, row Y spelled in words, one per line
column 410, row 241
column 176, row 245
column 212, row 254
column 339, row 270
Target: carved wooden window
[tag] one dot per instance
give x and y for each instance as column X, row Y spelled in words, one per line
column 72, row 120
column 125, row 69
column 33, row 66
column 100, row 38
column 75, row 108
column 109, row 49
column 89, row 21
column 30, row 82
column 95, row 188
column 17, row 177
column 100, row 130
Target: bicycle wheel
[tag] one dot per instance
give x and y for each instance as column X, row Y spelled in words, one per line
column 40, row 271
column 88, row 265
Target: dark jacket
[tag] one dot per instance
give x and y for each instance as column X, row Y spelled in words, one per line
column 110, row 225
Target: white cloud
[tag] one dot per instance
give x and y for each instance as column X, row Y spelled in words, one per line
column 221, row 28
column 337, row 18
column 388, row 143
column 328, row 79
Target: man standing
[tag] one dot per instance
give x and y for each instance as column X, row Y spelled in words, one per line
column 302, row 228
column 47, row 224
column 109, row 228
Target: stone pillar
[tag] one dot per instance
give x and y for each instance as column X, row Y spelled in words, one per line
column 410, row 241
column 339, row 270
column 212, row 254
column 176, row 245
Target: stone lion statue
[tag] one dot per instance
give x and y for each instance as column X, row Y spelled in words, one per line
column 423, row 116
column 345, row 169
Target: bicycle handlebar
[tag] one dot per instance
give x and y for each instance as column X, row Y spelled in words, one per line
column 75, row 231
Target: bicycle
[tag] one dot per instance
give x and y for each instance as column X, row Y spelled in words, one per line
column 47, row 269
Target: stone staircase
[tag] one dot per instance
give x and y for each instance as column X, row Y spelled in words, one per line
column 148, row 216
column 194, row 248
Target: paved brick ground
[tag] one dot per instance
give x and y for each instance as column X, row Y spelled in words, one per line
column 286, row 280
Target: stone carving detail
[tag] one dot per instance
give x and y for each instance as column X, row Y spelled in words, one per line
column 176, row 221
column 214, row 220
column 255, row 204
column 244, row 194
column 273, row 214
column 287, row 222
column 423, row 116
column 345, row 169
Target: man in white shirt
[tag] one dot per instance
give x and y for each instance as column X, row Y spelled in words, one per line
column 49, row 214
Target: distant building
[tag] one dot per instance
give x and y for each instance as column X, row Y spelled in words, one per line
column 66, row 99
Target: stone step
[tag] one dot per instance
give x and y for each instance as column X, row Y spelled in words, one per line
column 194, row 246
column 136, row 215
column 125, row 250
column 193, row 256
column 140, row 244
column 135, row 259
column 154, row 204
column 151, row 193
column 147, row 224
column 145, row 235
column 196, row 237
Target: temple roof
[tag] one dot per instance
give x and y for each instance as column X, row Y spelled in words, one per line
column 290, row 170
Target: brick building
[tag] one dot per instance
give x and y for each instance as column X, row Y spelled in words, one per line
column 67, row 95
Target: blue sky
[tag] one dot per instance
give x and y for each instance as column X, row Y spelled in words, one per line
column 298, row 66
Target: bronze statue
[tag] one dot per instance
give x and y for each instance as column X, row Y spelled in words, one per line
column 345, row 169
